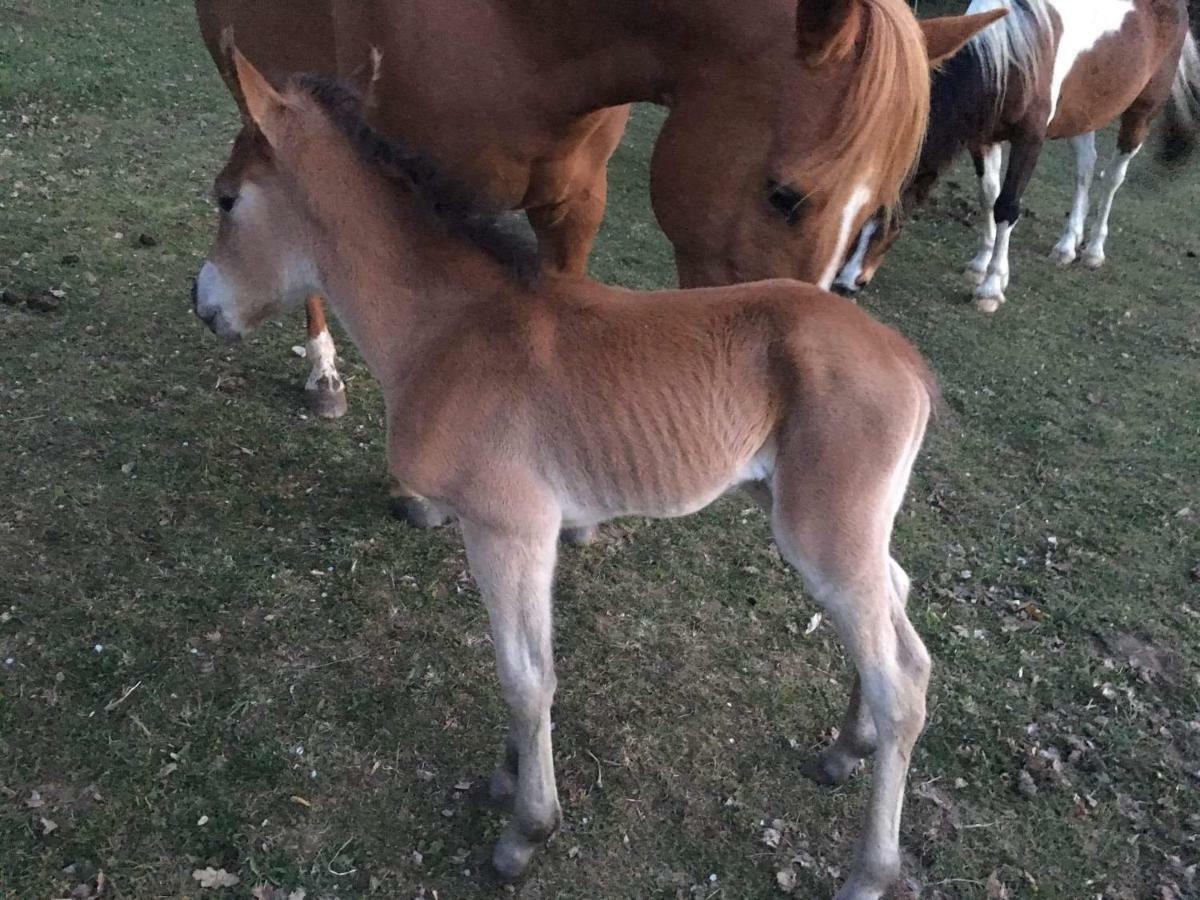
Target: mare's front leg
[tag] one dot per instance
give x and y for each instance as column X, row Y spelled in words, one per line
column 1021, row 163
column 1085, row 162
column 513, row 563
column 987, row 168
column 324, row 389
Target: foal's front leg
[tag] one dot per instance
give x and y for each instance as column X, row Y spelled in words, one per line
column 514, row 567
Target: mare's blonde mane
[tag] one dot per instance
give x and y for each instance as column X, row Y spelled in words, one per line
column 887, row 104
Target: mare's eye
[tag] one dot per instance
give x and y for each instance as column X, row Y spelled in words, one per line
column 226, row 201
column 786, row 201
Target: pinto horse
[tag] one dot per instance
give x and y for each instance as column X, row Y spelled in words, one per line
column 1051, row 69
column 790, row 121
column 524, row 401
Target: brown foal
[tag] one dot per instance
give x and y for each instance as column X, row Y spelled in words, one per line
column 522, row 401
column 790, row 120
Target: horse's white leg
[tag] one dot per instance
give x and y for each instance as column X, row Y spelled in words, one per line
column 988, row 166
column 1085, row 162
column 1022, row 160
column 1093, row 255
column 514, row 568
column 325, row 390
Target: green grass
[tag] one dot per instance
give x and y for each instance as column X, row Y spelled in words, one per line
column 315, row 678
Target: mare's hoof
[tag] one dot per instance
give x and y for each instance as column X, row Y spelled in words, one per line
column 988, row 304
column 417, row 512
column 1061, row 257
column 579, row 537
column 1092, row 261
column 327, row 399
column 829, row 769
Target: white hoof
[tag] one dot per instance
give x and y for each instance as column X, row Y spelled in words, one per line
column 988, row 304
column 1062, row 256
column 1093, row 260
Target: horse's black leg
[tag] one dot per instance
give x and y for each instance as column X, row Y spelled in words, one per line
column 1021, row 163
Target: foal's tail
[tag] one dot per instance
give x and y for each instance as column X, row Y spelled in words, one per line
column 1181, row 131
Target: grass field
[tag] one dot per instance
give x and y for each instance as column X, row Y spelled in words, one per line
column 217, row 650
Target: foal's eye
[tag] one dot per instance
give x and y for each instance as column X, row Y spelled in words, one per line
column 786, row 201
column 226, row 201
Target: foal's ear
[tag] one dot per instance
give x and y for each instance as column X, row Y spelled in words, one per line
column 263, row 103
column 826, row 29
column 945, row 36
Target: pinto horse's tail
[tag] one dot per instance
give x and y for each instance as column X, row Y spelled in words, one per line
column 1181, row 132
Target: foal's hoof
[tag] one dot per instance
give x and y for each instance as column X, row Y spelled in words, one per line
column 417, row 512
column 327, row 398
column 513, row 853
column 829, row 769
column 502, row 789
column 579, row 537
column 988, row 304
column 1093, row 261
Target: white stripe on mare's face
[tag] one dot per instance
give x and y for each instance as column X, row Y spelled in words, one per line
column 849, row 277
column 1084, row 23
column 850, row 212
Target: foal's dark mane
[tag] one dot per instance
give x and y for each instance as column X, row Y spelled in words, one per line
column 445, row 200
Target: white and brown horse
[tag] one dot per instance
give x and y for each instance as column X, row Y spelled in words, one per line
column 521, row 403
column 790, row 120
column 1051, row 69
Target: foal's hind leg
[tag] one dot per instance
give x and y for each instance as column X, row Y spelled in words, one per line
column 1085, row 161
column 324, row 389
column 514, row 567
column 857, row 738
column 1135, row 124
column 838, row 540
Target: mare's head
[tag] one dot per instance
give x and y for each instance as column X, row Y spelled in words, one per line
column 771, row 171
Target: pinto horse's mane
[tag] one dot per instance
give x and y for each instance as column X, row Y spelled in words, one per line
column 877, row 134
column 447, row 202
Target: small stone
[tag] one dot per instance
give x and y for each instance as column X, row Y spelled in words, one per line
column 46, row 302
column 786, row 879
column 771, row 837
column 1025, row 785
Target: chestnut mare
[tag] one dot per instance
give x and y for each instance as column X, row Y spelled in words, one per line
column 791, row 120
column 1051, row 69
column 522, row 402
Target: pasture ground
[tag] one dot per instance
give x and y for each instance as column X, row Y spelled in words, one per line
column 216, row 649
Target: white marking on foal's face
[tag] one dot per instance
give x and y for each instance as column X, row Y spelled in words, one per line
column 850, row 212
column 849, row 277
column 1084, row 23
